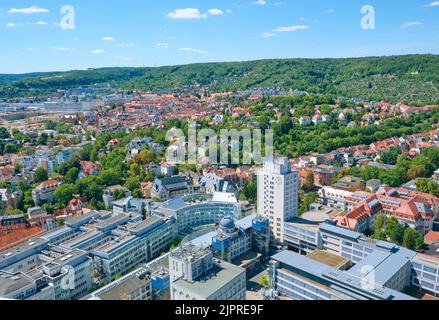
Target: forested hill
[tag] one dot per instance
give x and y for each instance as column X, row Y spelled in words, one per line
column 410, row 78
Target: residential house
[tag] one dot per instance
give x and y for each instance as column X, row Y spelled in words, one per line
column 88, row 168
column 171, row 187
column 45, row 192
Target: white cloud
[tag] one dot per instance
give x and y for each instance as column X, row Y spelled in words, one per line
column 290, row 28
column 77, row 39
column 330, row 11
column 229, row 11
column 187, row 13
column 107, row 39
column 62, row 49
column 41, row 23
column 29, row 10
column 279, row 3
column 283, row 29
column 98, row 51
column 11, row 25
column 162, row 45
column 411, row 24
column 432, row 4
column 268, row 34
column 126, row 45
column 215, row 12
column 260, row 2
column 192, row 50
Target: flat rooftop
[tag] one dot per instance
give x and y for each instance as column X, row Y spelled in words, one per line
column 328, row 258
column 207, row 286
column 113, row 221
column 343, row 282
column 82, row 237
column 189, row 252
column 122, row 290
column 383, row 264
column 81, row 219
column 69, row 257
column 9, row 283
column 114, row 245
column 29, row 245
column 344, row 233
column 145, row 223
column 321, row 215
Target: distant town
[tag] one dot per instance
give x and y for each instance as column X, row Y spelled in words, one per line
column 91, row 208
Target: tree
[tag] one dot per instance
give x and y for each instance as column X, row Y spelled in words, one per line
column 72, row 175
column 306, row 200
column 132, row 183
column 391, row 156
column 13, row 212
column 72, row 162
column 28, row 201
column 175, row 243
column 11, row 148
column 397, row 234
column 64, row 193
column 118, row 194
column 150, row 176
column 413, row 239
column 42, row 140
column 416, row 171
column 60, row 222
column 4, row 133
column 380, row 221
column 309, row 182
column 137, row 193
column 110, row 177
column 264, row 281
column 136, row 170
column 145, row 157
column 249, row 192
column 390, row 226
column 41, row 175
column 428, row 186
column 433, row 155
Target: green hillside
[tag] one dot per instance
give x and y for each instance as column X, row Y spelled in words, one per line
column 409, row 78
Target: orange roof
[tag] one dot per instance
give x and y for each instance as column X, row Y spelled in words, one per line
column 17, row 237
column 48, row 184
column 432, row 236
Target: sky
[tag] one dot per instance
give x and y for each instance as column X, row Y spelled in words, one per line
column 56, row 35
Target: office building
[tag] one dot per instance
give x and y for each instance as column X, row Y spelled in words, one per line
column 301, row 278
column 278, row 189
column 37, row 270
column 133, row 286
column 394, row 267
column 197, row 275
column 198, row 210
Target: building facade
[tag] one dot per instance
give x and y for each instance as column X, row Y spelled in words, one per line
column 196, row 275
column 278, row 189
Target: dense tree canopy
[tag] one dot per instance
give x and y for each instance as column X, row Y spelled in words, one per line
column 409, row 78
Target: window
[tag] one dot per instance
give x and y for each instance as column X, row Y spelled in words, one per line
column 431, row 270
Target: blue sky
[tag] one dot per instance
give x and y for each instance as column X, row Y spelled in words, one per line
column 164, row 32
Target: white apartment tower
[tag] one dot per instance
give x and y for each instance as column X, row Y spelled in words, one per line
column 278, row 188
